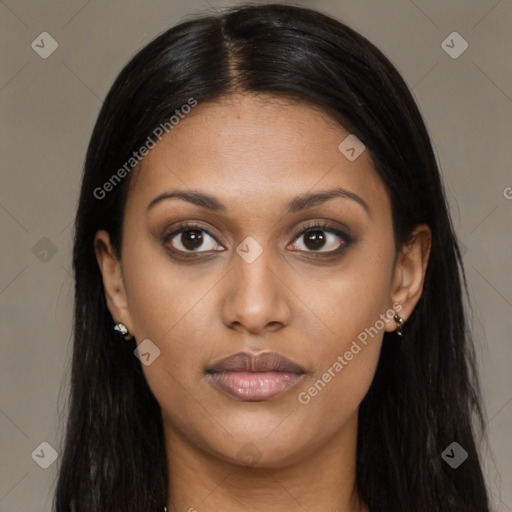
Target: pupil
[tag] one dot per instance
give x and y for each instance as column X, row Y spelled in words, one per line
column 315, row 239
column 191, row 239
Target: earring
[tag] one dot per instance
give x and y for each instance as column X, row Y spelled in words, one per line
column 122, row 331
column 400, row 322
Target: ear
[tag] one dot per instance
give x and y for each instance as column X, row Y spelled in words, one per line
column 409, row 273
column 113, row 283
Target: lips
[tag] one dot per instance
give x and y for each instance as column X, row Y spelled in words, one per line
column 255, row 378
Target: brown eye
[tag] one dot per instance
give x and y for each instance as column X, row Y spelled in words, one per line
column 322, row 239
column 314, row 240
column 189, row 239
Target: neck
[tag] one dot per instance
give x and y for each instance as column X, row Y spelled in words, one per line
column 321, row 480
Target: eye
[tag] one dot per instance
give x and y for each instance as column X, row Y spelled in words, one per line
column 192, row 238
column 321, row 238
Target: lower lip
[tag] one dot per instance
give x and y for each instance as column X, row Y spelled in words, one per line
column 255, row 386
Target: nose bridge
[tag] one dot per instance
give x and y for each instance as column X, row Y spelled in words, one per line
column 256, row 298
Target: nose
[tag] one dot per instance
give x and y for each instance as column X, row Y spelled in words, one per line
column 256, row 296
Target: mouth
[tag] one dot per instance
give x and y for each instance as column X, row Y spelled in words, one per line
column 254, row 378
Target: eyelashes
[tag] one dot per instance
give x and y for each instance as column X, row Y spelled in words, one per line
column 201, row 242
column 316, row 228
column 190, row 228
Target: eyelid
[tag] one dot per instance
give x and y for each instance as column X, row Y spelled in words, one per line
column 186, row 226
column 323, row 226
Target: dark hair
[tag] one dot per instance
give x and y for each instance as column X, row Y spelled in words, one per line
column 425, row 393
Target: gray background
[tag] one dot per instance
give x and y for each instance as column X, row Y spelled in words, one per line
column 48, row 107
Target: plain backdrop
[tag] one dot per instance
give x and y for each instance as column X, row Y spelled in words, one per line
column 49, row 105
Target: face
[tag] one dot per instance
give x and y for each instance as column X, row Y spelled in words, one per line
column 250, row 257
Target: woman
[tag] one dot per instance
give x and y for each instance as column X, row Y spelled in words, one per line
column 269, row 294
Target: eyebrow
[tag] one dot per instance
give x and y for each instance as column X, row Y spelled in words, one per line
column 302, row 202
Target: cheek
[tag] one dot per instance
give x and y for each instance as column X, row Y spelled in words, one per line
column 348, row 300
column 352, row 307
column 173, row 308
column 162, row 296
column 346, row 364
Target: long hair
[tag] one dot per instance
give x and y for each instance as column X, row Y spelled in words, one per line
column 425, row 393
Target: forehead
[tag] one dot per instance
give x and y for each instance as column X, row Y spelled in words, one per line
column 251, row 150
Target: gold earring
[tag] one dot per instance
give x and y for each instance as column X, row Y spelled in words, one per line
column 400, row 322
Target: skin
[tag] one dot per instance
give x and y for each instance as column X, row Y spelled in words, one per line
column 255, row 154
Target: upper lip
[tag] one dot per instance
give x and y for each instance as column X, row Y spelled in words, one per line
column 264, row 362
